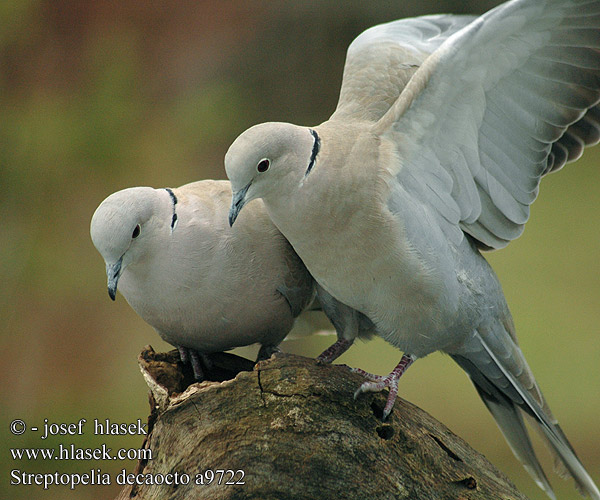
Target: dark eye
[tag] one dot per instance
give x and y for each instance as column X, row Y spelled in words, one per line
column 136, row 231
column 263, row 165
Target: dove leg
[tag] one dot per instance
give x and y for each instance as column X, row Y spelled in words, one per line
column 367, row 375
column 183, row 354
column 196, row 359
column 334, row 351
column 266, row 351
column 196, row 365
column 378, row 383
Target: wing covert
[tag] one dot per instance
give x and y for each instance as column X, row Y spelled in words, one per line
column 504, row 101
column 381, row 60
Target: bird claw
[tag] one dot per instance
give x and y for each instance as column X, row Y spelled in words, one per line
column 371, row 376
column 370, row 386
column 377, row 383
column 391, row 382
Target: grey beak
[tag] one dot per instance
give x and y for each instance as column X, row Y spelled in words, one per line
column 237, row 203
column 113, row 273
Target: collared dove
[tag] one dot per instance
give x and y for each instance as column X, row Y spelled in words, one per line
column 202, row 286
column 206, row 287
column 443, row 130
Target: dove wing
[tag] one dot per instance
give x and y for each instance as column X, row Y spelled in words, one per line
column 382, row 59
column 502, row 102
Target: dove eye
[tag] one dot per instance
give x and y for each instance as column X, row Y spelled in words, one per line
column 263, row 165
column 136, row 231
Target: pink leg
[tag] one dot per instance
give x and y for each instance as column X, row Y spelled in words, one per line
column 183, row 354
column 370, row 376
column 335, row 351
column 377, row 383
column 196, row 365
column 188, row 355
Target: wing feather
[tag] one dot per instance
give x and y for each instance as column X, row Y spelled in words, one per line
column 508, row 98
column 382, row 59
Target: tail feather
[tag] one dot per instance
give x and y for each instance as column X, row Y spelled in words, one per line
column 510, row 421
column 558, row 466
column 505, row 408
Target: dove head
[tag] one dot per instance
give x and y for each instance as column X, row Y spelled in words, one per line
column 120, row 228
column 268, row 160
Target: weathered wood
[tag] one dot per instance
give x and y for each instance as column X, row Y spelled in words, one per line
column 294, row 429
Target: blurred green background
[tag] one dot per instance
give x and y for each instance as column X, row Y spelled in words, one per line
column 96, row 96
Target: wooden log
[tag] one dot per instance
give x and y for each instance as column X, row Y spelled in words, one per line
column 291, row 429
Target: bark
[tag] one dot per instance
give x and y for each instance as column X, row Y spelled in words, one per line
column 290, row 429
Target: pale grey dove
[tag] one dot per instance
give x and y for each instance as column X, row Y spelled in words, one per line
column 206, row 287
column 443, row 130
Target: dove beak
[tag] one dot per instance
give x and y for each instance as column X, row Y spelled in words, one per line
column 113, row 273
column 237, row 203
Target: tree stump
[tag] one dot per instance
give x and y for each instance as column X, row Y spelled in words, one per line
column 290, row 428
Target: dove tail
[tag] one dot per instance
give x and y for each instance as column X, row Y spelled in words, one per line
column 507, row 413
column 510, row 420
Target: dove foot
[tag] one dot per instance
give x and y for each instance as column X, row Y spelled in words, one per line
column 334, row 351
column 371, row 376
column 377, row 383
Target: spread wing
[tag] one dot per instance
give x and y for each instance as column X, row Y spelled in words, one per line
column 502, row 102
column 382, row 59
